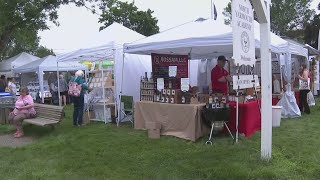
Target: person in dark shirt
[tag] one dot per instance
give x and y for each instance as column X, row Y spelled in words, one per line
column 3, row 83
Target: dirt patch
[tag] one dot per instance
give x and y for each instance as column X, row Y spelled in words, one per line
column 9, row 141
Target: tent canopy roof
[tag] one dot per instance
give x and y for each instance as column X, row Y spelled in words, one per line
column 201, row 39
column 49, row 63
column 312, row 51
column 108, row 40
column 16, row 61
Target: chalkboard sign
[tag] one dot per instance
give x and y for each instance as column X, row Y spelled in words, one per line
column 275, row 67
column 160, row 68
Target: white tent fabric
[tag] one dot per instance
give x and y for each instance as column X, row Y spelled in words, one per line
column 98, row 53
column 48, row 63
column 201, row 39
column 16, row 61
column 113, row 38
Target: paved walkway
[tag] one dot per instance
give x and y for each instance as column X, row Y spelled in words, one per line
column 9, row 141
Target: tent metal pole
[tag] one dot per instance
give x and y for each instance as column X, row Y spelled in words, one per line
column 103, row 94
column 119, row 110
column 58, row 83
column 211, row 10
column 281, row 75
column 115, row 84
column 40, row 77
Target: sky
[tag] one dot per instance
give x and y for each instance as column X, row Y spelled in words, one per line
column 78, row 24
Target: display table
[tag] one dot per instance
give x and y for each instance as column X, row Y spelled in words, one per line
column 179, row 120
column 249, row 117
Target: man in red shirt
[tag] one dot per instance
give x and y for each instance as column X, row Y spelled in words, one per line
column 220, row 77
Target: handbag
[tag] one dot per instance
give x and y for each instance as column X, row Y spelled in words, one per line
column 304, row 85
column 74, row 89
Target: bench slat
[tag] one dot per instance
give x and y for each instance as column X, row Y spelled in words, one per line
column 47, row 110
column 46, row 115
column 48, row 106
column 40, row 121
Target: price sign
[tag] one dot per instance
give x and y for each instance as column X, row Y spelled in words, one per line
column 245, row 81
column 185, row 84
column 172, row 71
column 160, row 84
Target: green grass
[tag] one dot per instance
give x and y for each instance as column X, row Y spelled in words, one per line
column 99, row 151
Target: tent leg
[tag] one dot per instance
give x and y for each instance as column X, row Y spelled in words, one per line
column 58, row 83
column 120, row 95
column 103, row 94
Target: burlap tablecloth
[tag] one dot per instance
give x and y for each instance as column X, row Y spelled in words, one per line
column 179, row 120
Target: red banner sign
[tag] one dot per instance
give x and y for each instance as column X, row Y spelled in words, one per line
column 160, row 67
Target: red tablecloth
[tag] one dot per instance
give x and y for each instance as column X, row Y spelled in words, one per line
column 249, row 117
column 275, row 101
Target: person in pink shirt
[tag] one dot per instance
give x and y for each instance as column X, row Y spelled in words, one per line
column 24, row 109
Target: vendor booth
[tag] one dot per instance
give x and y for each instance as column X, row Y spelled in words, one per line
column 125, row 77
column 200, row 40
column 7, row 66
column 37, row 74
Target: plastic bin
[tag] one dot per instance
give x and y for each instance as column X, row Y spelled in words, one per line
column 276, row 116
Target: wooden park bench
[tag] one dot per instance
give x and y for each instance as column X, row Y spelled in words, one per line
column 47, row 115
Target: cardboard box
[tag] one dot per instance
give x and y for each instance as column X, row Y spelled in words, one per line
column 152, row 125
column 154, row 133
column 194, row 100
column 87, row 117
column 203, row 98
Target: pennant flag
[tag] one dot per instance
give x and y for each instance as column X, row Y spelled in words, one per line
column 319, row 40
column 214, row 14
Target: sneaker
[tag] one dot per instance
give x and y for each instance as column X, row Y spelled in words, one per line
column 19, row 135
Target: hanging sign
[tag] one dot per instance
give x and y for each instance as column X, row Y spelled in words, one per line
column 160, row 84
column 185, row 84
column 243, row 32
column 245, row 81
column 161, row 64
column 172, row 71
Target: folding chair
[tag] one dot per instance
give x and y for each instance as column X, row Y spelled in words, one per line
column 127, row 107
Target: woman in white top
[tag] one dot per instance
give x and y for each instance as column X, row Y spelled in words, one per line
column 12, row 86
column 304, row 88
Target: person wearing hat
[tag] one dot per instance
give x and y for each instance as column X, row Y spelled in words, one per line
column 220, row 77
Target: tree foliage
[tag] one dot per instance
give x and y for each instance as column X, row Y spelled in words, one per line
column 128, row 15
column 311, row 32
column 288, row 17
column 20, row 21
column 43, row 52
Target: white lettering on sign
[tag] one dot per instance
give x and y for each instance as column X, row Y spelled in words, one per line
column 245, row 81
column 243, row 33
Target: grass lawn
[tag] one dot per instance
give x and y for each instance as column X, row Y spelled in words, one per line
column 99, row 151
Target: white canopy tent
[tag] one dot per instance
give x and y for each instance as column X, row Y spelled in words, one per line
column 127, row 78
column 201, row 39
column 6, row 66
column 48, row 63
column 207, row 39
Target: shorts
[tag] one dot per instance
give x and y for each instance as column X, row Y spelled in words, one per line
column 64, row 93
